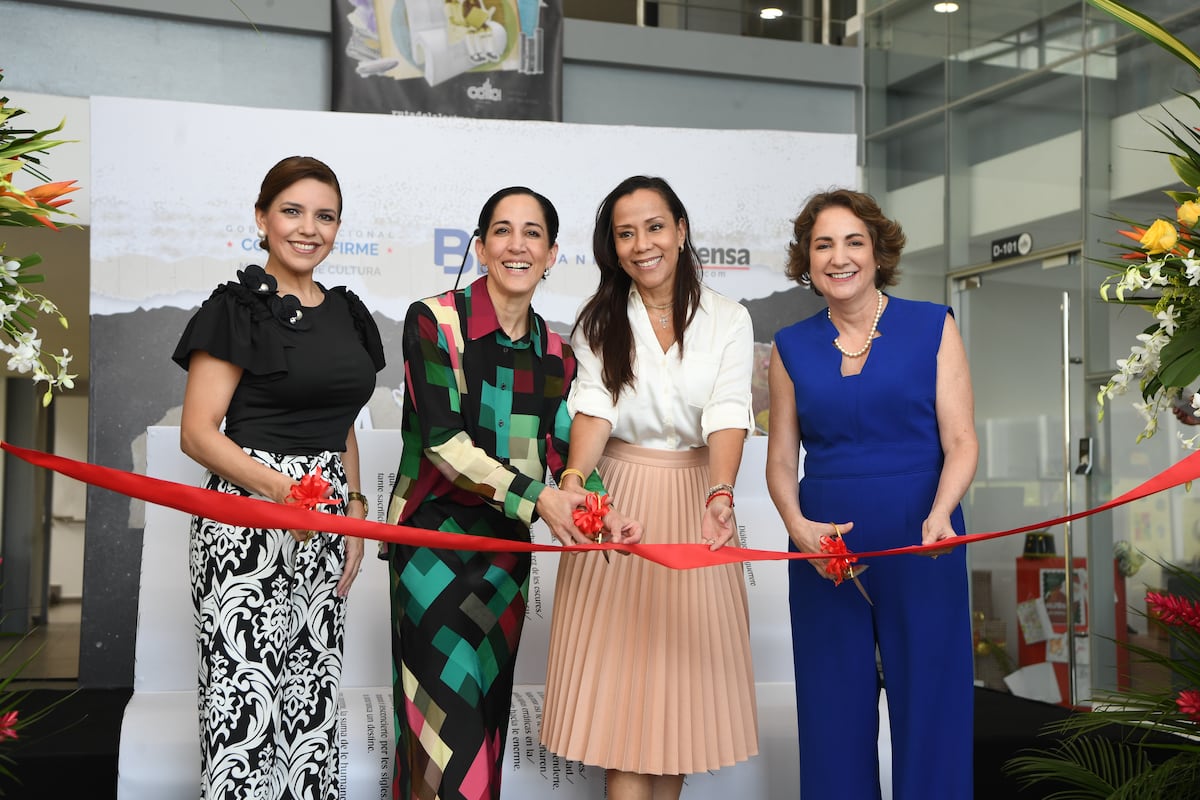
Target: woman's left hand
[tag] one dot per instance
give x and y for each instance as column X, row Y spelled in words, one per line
column 936, row 528
column 354, row 557
column 716, row 526
column 622, row 529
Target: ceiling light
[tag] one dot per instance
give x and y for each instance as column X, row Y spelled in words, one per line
column 772, row 13
column 945, row 8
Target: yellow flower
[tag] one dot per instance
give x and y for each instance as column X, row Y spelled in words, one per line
column 1188, row 213
column 1160, row 238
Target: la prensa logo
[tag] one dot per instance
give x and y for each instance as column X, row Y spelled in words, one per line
column 486, row 92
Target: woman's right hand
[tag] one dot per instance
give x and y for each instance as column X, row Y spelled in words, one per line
column 807, row 538
column 557, row 508
column 281, row 492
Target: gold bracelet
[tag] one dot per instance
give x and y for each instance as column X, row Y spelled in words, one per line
column 359, row 496
column 572, row 471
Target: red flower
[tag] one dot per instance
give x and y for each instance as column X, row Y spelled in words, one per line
column 589, row 518
column 1189, row 703
column 310, row 491
column 8, row 726
column 837, row 568
column 1172, row 610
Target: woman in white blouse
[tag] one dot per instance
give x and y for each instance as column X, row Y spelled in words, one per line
column 649, row 672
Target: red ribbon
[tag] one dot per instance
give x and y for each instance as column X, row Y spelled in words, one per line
column 310, row 491
column 589, row 518
column 252, row 513
column 838, row 568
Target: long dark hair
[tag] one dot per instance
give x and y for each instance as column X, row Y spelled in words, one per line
column 605, row 317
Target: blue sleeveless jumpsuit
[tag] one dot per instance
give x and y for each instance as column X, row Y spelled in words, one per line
column 873, row 457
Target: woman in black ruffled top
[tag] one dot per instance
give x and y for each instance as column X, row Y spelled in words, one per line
column 288, row 365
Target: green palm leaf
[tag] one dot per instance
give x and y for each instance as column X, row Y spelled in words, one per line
column 1092, row 767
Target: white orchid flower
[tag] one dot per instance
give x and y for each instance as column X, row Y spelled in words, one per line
column 1191, row 268
column 1167, row 319
column 9, row 270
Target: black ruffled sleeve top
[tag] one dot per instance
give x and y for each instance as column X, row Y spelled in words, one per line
column 306, row 372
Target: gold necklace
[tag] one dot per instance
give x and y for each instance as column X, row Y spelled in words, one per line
column 664, row 317
column 870, row 336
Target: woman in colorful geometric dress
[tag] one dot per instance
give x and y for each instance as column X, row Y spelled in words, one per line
column 659, row 684
column 484, row 416
column 877, row 390
column 288, row 365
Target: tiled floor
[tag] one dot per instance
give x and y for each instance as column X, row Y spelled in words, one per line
column 52, row 650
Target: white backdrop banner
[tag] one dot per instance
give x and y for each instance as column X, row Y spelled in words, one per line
column 174, row 186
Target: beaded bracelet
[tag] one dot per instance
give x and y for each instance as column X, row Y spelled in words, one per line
column 719, row 493
column 720, row 487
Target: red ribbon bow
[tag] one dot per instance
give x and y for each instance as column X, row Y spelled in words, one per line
column 838, row 568
column 589, row 517
column 310, row 492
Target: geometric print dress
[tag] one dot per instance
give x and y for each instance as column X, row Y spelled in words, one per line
column 483, row 419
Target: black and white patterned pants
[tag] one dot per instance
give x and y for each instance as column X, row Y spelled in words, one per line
column 269, row 629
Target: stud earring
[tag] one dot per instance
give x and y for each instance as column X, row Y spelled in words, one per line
column 681, row 248
column 262, row 234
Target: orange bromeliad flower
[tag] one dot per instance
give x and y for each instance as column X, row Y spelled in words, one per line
column 51, row 193
column 46, row 195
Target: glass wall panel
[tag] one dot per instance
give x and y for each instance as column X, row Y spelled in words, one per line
column 906, row 173
column 998, row 42
column 905, row 58
column 1015, row 164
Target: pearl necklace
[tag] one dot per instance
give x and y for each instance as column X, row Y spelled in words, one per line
column 870, row 336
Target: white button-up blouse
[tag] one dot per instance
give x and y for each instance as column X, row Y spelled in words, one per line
column 675, row 403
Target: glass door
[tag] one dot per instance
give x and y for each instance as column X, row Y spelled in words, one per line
column 1029, row 406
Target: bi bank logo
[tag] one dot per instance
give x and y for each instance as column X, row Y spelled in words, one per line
column 449, row 244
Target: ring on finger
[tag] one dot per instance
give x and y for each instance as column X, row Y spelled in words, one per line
column 836, row 530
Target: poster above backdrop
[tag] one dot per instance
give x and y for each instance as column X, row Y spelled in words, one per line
column 489, row 59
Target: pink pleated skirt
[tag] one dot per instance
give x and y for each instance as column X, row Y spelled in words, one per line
column 650, row 668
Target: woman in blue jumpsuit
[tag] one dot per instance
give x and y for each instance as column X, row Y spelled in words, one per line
column 878, row 391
